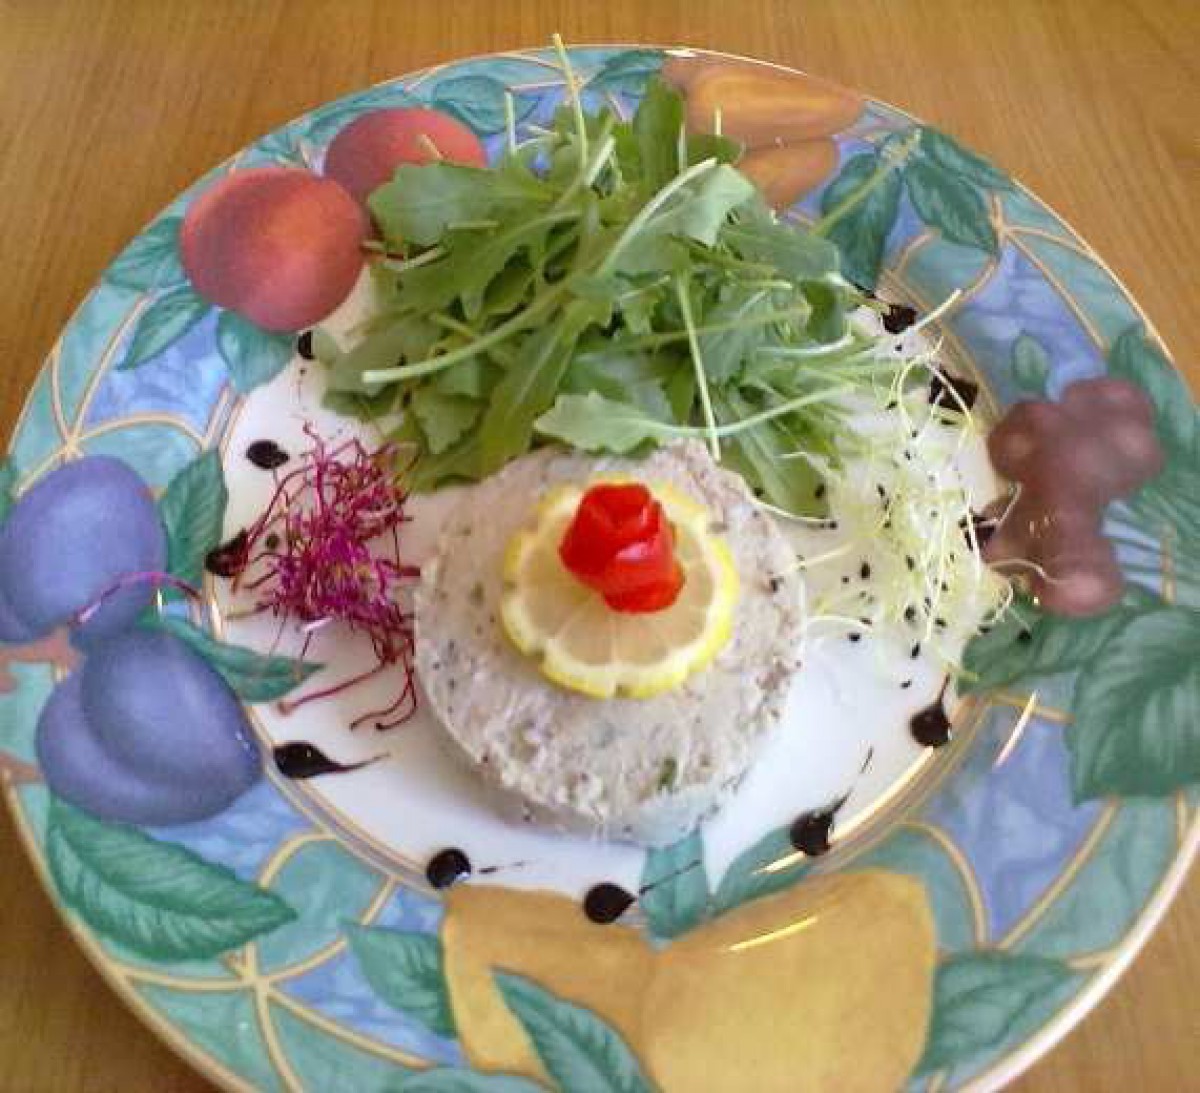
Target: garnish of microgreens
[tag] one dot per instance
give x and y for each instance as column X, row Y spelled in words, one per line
column 900, row 505
column 326, row 551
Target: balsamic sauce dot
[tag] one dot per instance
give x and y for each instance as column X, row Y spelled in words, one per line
column 931, row 727
column 605, row 903
column 855, row 636
column 810, row 832
column 267, row 455
column 298, row 759
column 447, row 867
column 898, row 318
column 304, row 346
column 864, row 571
column 271, row 542
column 229, row 559
column 940, row 388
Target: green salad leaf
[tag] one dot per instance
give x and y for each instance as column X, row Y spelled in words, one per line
column 611, row 285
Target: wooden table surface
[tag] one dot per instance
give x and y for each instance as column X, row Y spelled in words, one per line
column 109, row 107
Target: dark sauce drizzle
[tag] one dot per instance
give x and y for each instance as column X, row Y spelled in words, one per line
column 941, row 385
column 898, row 318
column 298, row 759
column 605, row 903
column 267, row 455
column 931, row 727
column 810, row 831
column 304, row 345
column 984, row 527
column 448, row 867
column 229, row 559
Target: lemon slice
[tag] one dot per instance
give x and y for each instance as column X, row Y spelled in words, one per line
column 586, row 646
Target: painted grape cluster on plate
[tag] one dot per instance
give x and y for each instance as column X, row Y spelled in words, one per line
column 286, row 937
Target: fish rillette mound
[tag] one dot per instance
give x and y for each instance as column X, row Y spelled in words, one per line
column 645, row 770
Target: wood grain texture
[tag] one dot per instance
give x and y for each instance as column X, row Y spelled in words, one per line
column 109, row 107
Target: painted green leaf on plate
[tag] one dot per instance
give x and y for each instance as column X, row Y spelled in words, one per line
column 984, row 999
column 326, row 885
column 222, row 1023
column 478, row 101
column 325, row 1063
column 1030, row 365
column 159, row 899
column 950, row 205
column 862, row 233
column 156, row 450
column 162, row 324
column 1114, row 884
column 252, row 355
column 578, row 1050
column 674, row 887
column 770, row 865
column 405, row 970
column 8, row 485
column 1025, row 644
column 943, row 150
column 450, row 1080
column 627, row 71
column 253, row 676
column 151, row 260
column 1137, row 709
column 193, row 512
column 1135, row 358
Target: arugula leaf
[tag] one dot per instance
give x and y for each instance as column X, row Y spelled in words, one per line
column 656, row 128
column 360, row 406
column 697, row 210
column 456, row 464
column 625, row 376
column 702, row 146
column 474, row 260
column 550, row 304
column 827, row 323
column 757, row 236
column 421, row 202
column 725, row 351
column 594, row 423
column 443, row 418
column 757, row 454
column 529, row 386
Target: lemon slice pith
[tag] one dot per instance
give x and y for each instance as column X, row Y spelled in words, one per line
column 582, row 643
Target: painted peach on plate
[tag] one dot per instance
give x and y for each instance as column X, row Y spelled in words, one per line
column 366, row 153
column 278, row 245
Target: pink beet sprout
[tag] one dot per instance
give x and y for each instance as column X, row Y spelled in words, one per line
column 327, row 550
